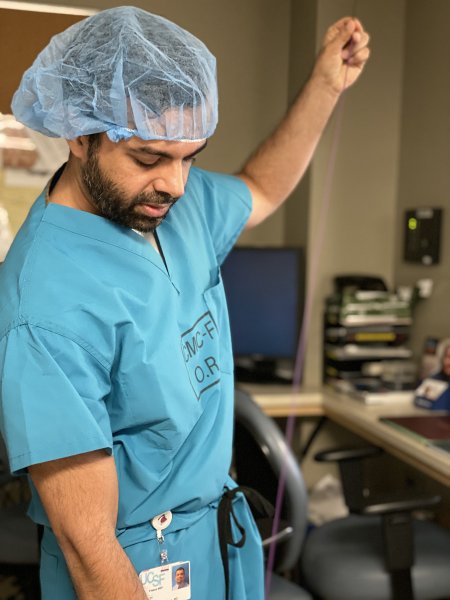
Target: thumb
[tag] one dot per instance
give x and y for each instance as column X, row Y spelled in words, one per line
column 340, row 33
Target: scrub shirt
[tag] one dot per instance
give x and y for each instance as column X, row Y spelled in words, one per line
column 105, row 345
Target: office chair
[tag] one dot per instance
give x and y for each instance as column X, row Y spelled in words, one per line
column 378, row 552
column 260, row 453
column 19, row 546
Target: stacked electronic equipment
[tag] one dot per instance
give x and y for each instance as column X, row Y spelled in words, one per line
column 366, row 330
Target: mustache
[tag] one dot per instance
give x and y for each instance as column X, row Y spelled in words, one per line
column 153, row 198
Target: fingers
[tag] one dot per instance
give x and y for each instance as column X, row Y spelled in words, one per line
column 358, row 24
column 355, row 47
column 347, row 34
column 359, row 59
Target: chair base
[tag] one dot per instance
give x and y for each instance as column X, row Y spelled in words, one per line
column 344, row 558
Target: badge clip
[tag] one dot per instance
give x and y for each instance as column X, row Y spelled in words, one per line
column 161, row 522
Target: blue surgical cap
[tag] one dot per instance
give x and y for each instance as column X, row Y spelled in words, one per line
column 123, row 71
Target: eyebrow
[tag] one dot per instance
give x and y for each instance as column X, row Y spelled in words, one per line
column 154, row 152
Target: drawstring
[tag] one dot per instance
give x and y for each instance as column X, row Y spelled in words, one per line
column 225, row 518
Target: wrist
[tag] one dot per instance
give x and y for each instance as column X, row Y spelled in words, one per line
column 320, row 85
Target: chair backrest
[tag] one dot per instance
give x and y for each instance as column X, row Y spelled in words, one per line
column 5, row 474
column 260, row 456
column 18, row 534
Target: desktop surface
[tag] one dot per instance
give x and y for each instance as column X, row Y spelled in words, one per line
column 370, row 423
column 425, row 427
column 283, row 400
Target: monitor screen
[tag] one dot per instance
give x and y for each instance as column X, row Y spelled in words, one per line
column 265, row 293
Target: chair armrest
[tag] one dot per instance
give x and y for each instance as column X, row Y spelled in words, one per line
column 400, row 505
column 278, row 537
column 351, row 468
column 343, row 454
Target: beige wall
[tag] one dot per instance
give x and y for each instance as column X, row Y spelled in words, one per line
column 425, row 156
column 360, row 223
column 303, row 40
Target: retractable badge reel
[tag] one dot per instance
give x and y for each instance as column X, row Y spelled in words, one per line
column 161, row 522
column 168, row 581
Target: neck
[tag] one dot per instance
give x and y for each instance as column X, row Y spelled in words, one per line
column 69, row 189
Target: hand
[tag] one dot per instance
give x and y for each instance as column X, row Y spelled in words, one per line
column 343, row 56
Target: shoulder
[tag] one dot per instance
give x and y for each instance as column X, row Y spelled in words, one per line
column 223, row 203
column 211, row 184
column 68, row 273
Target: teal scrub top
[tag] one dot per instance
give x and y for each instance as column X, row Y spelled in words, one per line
column 104, row 345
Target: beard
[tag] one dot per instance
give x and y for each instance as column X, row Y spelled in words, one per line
column 113, row 204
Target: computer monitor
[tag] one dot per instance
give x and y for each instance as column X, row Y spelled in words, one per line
column 265, row 295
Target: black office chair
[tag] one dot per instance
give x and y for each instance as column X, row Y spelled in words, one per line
column 378, row 552
column 260, row 454
column 19, row 546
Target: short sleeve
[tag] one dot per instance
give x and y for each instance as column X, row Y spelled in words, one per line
column 226, row 205
column 52, row 397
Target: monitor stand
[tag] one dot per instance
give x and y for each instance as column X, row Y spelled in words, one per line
column 259, row 370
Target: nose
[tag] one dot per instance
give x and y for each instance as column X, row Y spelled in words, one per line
column 171, row 179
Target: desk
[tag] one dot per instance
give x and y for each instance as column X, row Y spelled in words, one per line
column 364, row 421
column 281, row 401
column 359, row 418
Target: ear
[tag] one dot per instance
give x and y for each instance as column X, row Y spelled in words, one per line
column 79, row 147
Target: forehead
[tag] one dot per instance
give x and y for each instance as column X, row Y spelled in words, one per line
column 164, row 146
column 172, row 149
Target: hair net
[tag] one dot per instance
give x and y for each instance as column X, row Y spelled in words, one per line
column 123, row 71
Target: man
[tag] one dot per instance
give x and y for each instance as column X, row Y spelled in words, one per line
column 117, row 386
column 180, row 579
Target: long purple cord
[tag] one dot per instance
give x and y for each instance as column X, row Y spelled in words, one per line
column 299, row 361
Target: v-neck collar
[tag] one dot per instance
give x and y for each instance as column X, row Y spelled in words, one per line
column 160, row 251
column 153, row 239
column 96, row 227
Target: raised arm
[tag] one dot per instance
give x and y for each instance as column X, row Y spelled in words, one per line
column 80, row 496
column 277, row 166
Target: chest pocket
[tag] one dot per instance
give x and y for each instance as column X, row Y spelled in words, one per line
column 206, row 344
column 216, row 303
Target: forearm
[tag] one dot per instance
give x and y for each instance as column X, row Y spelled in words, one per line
column 279, row 163
column 80, row 497
column 274, row 170
column 100, row 569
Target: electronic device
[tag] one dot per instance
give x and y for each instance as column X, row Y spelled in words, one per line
column 358, row 282
column 265, row 295
column 423, row 235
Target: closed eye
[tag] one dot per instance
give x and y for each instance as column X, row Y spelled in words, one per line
column 146, row 165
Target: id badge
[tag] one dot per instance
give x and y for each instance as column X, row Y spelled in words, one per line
column 167, row 582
